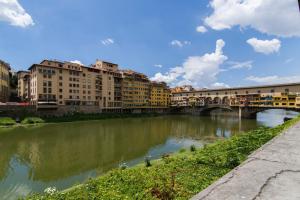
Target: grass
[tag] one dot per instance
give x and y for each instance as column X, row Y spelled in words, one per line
column 177, row 176
column 32, row 120
column 7, row 121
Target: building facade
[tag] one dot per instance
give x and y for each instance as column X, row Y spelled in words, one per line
column 159, row 95
column 135, row 90
column 23, row 88
column 4, row 81
column 275, row 96
column 55, row 83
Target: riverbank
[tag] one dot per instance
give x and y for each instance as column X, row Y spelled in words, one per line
column 177, row 176
column 6, row 122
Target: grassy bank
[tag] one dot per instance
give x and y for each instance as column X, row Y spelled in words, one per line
column 177, row 176
column 10, row 122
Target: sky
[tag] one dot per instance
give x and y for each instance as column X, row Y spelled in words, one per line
column 204, row 43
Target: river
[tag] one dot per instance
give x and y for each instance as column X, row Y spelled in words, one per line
column 64, row 154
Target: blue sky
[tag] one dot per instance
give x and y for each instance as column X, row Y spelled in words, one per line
column 154, row 37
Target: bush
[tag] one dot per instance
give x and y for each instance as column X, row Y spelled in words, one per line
column 32, row 120
column 7, row 121
column 193, row 148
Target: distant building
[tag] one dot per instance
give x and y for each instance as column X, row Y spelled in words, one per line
column 4, row 81
column 159, row 95
column 184, row 88
column 23, row 88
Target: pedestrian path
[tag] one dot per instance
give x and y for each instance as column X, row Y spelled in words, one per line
column 270, row 173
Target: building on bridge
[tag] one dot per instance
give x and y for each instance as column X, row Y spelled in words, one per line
column 268, row 96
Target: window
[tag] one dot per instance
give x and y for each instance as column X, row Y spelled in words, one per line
column 45, row 90
column 60, row 78
column 272, row 91
column 49, row 90
column 287, row 90
column 49, row 83
column 60, row 96
column 60, row 83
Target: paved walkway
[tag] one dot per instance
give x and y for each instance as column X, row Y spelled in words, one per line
column 270, row 173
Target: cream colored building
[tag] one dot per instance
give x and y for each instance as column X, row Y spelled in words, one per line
column 111, row 85
column 23, row 88
column 55, row 83
column 4, row 81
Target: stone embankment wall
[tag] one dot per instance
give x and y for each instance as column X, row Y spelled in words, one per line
column 24, row 111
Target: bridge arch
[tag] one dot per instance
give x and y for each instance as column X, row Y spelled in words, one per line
column 217, row 100
column 208, row 100
column 226, row 100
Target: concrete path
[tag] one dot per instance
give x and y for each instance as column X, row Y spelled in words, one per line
column 270, row 173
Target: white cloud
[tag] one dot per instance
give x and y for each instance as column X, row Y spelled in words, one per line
column 158, row 65
column 108, row 41
column 201, row 29
column 289, row 60
column 169, row 77
column 265, row 46
column 274, row 79
column 274, row 17
column 180, row 43
column 77, row 62
column 196, row 70
column 219, row 85
column 11, row 11
column 240, row 65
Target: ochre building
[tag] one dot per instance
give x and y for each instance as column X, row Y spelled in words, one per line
column 4, row 81
column 159, row 95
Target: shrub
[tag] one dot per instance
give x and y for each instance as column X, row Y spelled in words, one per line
column 148, row 161
column 32, row 120
column 193, row 148
column 7, row 121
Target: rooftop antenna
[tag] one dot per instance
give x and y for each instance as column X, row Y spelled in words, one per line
column 299, row 4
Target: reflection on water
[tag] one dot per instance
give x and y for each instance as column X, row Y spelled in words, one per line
column 62, row 155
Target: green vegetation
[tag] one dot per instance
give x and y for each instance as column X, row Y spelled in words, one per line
column 7, row 121
column 178, row 176
column 32, row 120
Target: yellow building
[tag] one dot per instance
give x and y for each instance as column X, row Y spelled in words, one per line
column 298, row 102
column 135, row 90
column 23, row 88
column 4, row 81
column 284, row 100
column 159, row 95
